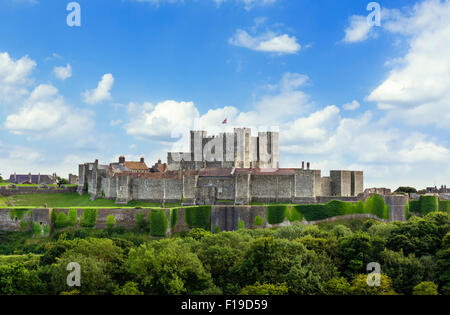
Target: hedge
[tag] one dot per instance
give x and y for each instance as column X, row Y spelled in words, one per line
column 427, row 204
column 374, row 205
column 198, row 217
column 276, row 214
column 158, row 222
column 444, row 205
column 61, row 220
column 72, row 217
column 89, row 218
column 173, row 218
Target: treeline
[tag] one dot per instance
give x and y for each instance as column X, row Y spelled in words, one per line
column 301, row 259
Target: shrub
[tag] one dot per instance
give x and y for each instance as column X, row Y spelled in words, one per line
column 444, row 205
column 414, row 206
column 337, row 286
column 407, row 214
column 359, row 286
column 141, row 222
column 198, row 217
column 37, row 230
column 241, row 225
column 259, row 221
column 428, row 204
column 294, row 215
column 198, row 233
column 17, row 213
column 426, row 288
column 61, row 220
column 89, row 218
column 376, row 205
column 110, row 221
column 130, row 288
column 265, row 289
column 173, row 218
column 276, row 214
column 24, row 225
column 72, row 217
column 46, row 229
column 217, row 229
column 158, row 222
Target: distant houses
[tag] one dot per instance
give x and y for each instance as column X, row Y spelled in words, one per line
column 32, row 179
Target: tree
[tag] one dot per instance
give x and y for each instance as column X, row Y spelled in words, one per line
column 443, row 261
column 167, row 267
column 337, row 286
column 405, row 271
column 62, row 181
column 221, row 255
column 360, row 287
column 270, row 260
column 16, row 279
column 265, row 289
column 94, row 275
column 426, row 288
column 406, row 189
column 356, row 251
column 130, row 288
column 418, row 236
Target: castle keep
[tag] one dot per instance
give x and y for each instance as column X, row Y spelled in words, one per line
column 233, row 167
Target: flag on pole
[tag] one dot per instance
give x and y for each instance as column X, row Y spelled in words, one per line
column 225, row 121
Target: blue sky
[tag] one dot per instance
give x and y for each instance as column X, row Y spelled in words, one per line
column 138, row 72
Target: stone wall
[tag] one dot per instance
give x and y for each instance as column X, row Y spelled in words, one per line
column 304, row 184
column 224, row 185
column 325, row 183
column 242, row 188
column 226, row 217
column 41, row 216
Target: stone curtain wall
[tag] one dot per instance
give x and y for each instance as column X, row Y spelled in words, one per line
column 11, row 223
column 222, row 218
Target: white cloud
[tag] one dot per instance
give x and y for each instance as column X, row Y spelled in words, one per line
column 163, row 121
column 14, row 76
column 45, row 113
column 102, row 92
column 351, row 106
column 248, row 4
column 358, row 30
column 389, row 156
column 416, row 90
column 266, row 42
column 113, row 123
column 63, row 73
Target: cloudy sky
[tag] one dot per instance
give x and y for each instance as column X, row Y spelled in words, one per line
column 138, row 73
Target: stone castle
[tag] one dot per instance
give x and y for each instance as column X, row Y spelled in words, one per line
column 234, row 167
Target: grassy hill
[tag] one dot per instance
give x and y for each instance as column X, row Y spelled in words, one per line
column 69, row 200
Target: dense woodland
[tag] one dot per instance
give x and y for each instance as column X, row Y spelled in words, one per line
column 320, row 259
